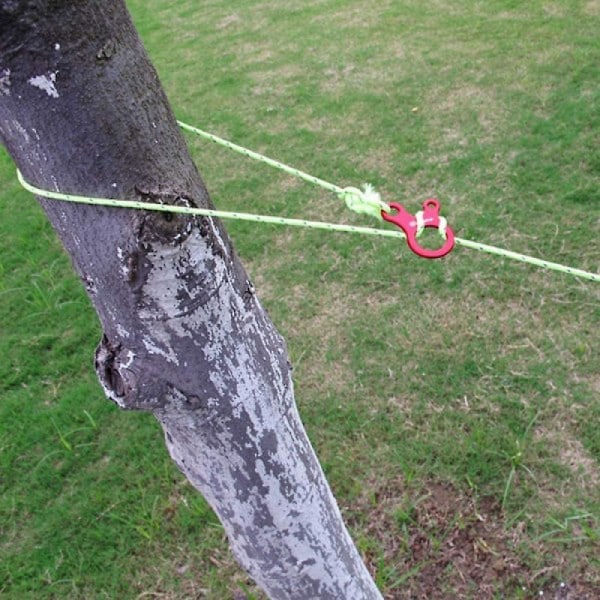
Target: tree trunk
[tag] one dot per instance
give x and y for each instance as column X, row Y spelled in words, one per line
column 82, row 111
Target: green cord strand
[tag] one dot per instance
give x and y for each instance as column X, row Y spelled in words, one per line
column 366, row 202
column 260, row 157
column 530, row 260
column 205, row 212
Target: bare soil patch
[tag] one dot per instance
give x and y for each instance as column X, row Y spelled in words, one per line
column 449, row 544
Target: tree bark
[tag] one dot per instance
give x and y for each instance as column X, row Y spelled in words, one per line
column 184, row 335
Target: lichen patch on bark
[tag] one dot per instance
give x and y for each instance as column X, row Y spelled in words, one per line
column 46, row 83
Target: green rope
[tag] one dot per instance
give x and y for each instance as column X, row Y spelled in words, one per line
column 366, row 201
column 206, row 212
column 369, row 202
column 530, row 260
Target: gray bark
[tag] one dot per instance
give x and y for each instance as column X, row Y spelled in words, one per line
column 82, row 111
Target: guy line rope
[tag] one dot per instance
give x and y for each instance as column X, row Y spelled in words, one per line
column 365, row 201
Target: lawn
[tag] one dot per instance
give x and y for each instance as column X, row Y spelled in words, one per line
column 454, row 404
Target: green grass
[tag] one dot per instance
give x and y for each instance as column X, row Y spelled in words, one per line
column 471, row 376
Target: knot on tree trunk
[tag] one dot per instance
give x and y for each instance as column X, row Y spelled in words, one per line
column 125, row 380
column 134, row 381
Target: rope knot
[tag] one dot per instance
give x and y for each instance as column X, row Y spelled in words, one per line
column 366, row 201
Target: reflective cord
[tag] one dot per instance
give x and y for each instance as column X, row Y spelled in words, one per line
column 366, row 201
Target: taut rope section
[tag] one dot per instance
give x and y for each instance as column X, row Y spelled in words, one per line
column 365, row 201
